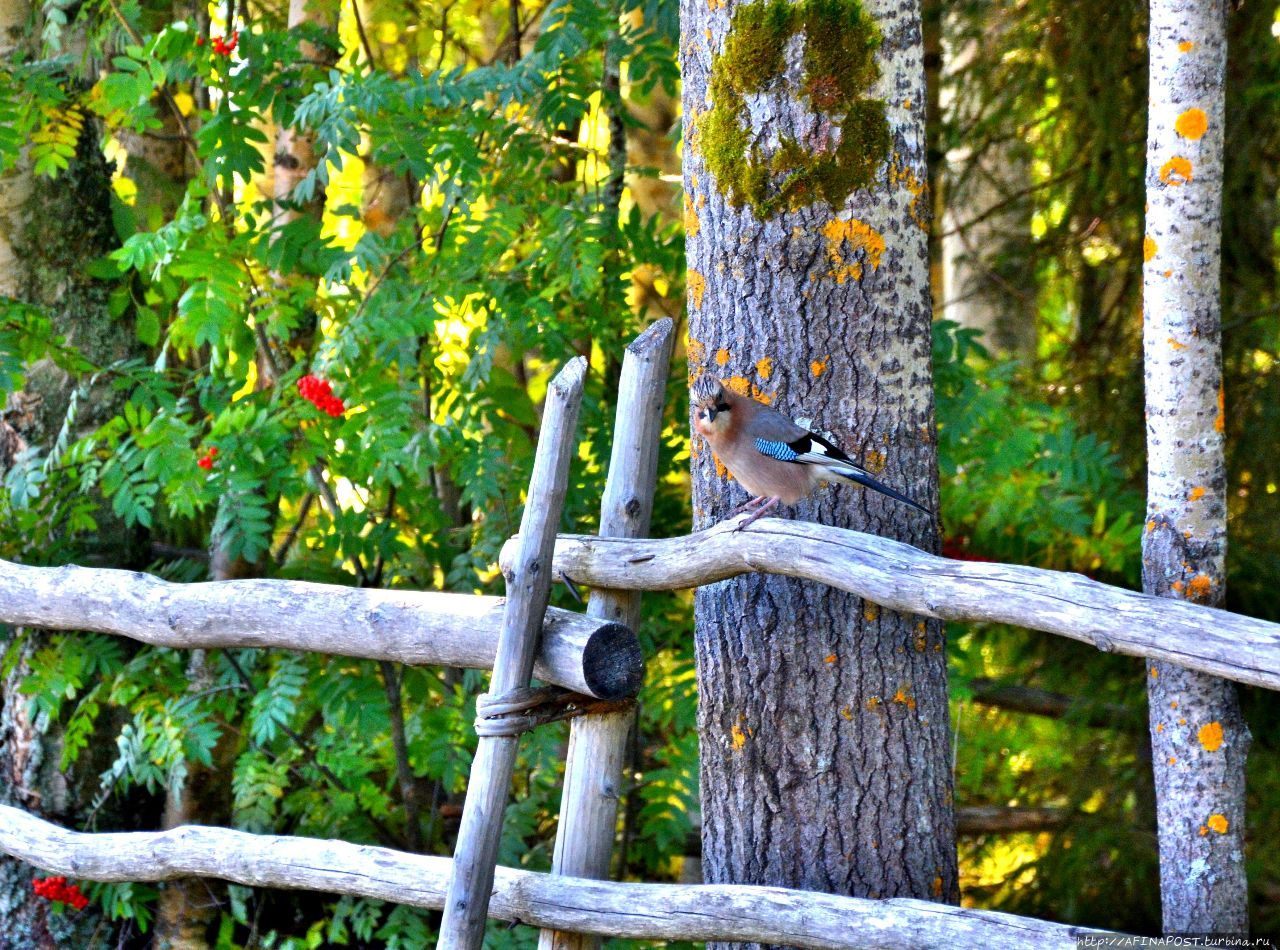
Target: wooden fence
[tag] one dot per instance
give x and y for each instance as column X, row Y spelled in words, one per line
column 593, row 666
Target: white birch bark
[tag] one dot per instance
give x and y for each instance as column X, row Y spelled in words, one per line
column 1199, row 739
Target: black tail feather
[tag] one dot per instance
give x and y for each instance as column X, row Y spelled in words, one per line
column 862, row 478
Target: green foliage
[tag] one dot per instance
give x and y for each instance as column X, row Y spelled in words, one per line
column 1020, row 481
column 439, row 317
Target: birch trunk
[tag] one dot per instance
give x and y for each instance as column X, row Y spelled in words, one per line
column 1199, row 739
column 823, row 719
column 988, row 279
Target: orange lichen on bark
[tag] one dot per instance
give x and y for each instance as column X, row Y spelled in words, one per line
column 870, row 611
column 1192, row 124
column 1196, row 493
column 1173, row 760
column 722, row 357
column 874, row 461
column 1148, row 248
column 1210, row 736
column 1198, row 587
column 1155, row 674
column 696, row 351
column 1159, row 727
column 937, row 886
column 847, row 713
column 904, row 698
column 738, row 736
column 829, row 658
column 1186, row 46
column 1176, row 171
column 860, row 237
column 722, row 470
column 691, row 223
column 1220, row 422
column 873, row 703
column 1218, row 823
column 818, row 367
column 1176, row 345
column 901, row 173
column 1151, row 526
column 764, row 367
column 697, row 287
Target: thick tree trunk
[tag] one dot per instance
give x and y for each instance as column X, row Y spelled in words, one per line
column 825, row 761
column 1198, row 736
column 49, row 231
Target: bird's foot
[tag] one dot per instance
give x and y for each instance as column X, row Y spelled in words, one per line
column 758, row 512
column 748, row 505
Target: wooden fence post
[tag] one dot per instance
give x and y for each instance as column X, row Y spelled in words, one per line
column 528, row 590
column 597, row 743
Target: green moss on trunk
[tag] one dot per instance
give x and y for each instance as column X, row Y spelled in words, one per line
column 840, row 43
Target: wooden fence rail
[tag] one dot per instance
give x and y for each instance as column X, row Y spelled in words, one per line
column 587, row 655
column 639, row 911
column 900, row 577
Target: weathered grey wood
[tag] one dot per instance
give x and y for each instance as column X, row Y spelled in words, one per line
column 601, row 659
column 528, row 587
column 593, row 767
column 637, row 911
column 903, row 578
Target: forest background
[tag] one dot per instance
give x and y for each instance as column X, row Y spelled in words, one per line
column 428, row 207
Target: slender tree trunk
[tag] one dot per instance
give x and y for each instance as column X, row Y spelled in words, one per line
column 823, row 719
column 1199, row 739
column 988, row 280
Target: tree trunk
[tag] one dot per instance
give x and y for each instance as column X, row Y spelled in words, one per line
column 49, row 231
column 823, row 718
column 1198, row 736
column 988, row 279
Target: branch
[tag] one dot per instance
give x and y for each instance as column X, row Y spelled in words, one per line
column 900, row 577
column 638, row 911
column 1043, row 702
column 418, row 628
column 973, row 820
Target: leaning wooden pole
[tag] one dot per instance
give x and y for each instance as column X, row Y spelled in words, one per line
column 597, row 743
column 528, row 590
column 1199, row 740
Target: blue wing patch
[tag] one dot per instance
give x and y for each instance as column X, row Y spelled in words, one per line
column 776, row 450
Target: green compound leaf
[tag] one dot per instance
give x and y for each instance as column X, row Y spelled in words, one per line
column 839, row 67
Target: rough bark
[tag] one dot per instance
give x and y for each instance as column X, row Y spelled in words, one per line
column 1198, row 736
column 50, row 229
column 823, row 719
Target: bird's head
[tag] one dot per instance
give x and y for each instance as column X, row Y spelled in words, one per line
column 712, row 405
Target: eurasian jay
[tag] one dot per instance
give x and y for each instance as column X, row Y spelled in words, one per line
column 770, row 456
